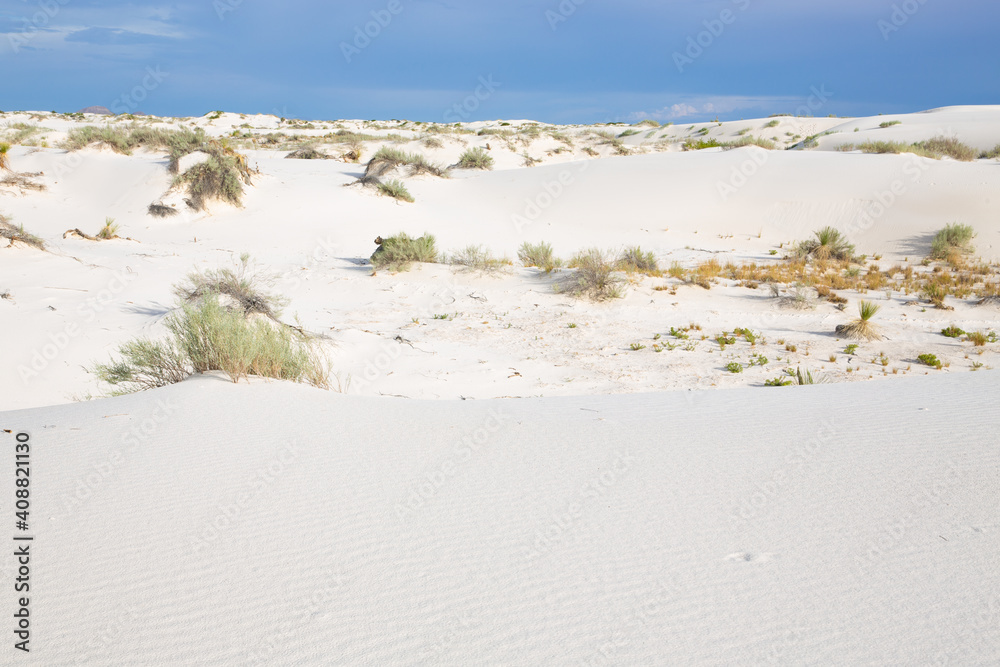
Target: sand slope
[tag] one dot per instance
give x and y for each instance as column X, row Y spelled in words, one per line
column 275, row 524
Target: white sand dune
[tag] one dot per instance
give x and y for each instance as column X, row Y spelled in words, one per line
column 209, row 523
column 586, row 487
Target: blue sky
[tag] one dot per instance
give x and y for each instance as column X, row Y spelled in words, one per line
column 560, row 61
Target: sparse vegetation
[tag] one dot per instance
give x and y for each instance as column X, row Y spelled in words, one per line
column 930, row 360
column 398, row 252
column 953, row 239
column 734, row 367
column 18, row 234
column 635, row 260
column 477, row 258
column 538, row 254
column 889, row 123
column 701, row 144
column 594, row 277
column 396, row 190
column 952, row 332
column 4, row 160
column 934, row 148
column 475, row 158
column 207, row 335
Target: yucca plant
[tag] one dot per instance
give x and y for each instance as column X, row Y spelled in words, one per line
column 109, row 230
column 828, row 244
column 862, row 328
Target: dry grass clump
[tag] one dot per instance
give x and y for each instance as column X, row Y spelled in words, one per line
column 387, row 158
column 936, row 148
column 308, row 153
column 245, row 285
column 862, row 328
column 991, row 154
column 750, row 141
column 948, row 146
column 4, row 160
column 828, row 244
column 161, row 211
column 18, row 235
column 398, row 252
column 126, row 139
column 593, row 278
column 477, row 258
column 954, row 239
column 475, row 158
column 635, row 260
column 538, row 254
column 396, row 190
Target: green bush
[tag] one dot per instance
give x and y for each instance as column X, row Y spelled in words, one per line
column 691, row 145
column 594, row 277
column 952, row 332
column 398, row 252
column 889, row 123
column 206, row 335
column 538, row 254
column 734, row 367
column 396, row 190
column 635, row 260
column 930, row 360
column 475, row 158
column 954, row 238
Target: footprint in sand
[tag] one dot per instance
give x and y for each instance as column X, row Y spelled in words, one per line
column 748, row 557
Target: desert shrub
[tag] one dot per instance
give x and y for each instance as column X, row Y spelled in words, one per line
column 777, row 382
column 125, row 139
column 734, row 367
column 398, row 252
column 828, row 244
column 161, row 211
column 220, row 177
column 594, row 277
column 635, row 260
column 477, row 258
column 432, row 142
column 212, row 337
column 991, row 154
column 475, row 158
column 949, row 146
column 538, row 254
column 143, row 364
column 952, row 332
column 862, row 328
column 954, row 238
column 773, row 123
column 109, row 230
column 646, row 122
column 18, row 234
column 980, row 338
column 751, row 141
column 889, row 123
column 396, row 190
column 247, row 287
column 308, row 153
column 930, row 360
column 206, row 334
column 691, row 145
column 4, row 160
